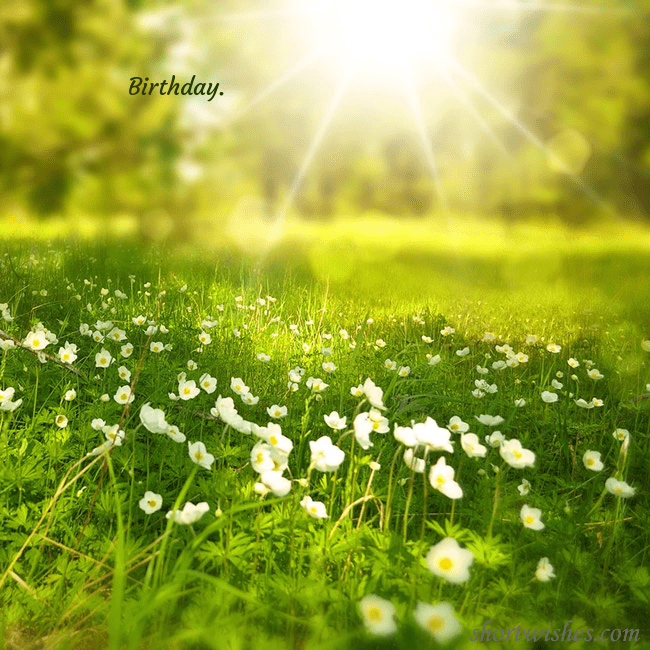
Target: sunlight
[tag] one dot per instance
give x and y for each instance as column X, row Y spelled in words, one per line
column 381, row 33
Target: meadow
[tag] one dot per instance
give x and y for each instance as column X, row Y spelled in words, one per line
column 379, row 436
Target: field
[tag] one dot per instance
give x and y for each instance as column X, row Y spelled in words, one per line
column 372, row 418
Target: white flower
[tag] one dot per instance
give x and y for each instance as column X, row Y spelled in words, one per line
column 157, row 346
column 103, row 359
column 315, row 509
column 123, row 395
column 554, row 348
column 573, row 363
column 447, row 331
column 36, row 340
column 98, row 424
column 462, row 353
column 549, row 397
column 316, row 385
column 431, row 436
column 357, row 391
column 489, row 420
column 544, row 571
column 272, row 434
column 199, row 455
column 583, row 404
column 645, row 345
column 67, row 353
column 117, row 334
column 438, row 620
column 390, row 365
column 275, row 482
column 495, row 439
column 334, row 421
column 126, row 350
column 70, row 395
column 471, row 446
column 591, row 460
column 515, row 455
column 190, row 513
column 435, row 360
column 378, row 615
column 187, row 389
column 405, row 435
column 520, row 402
column 205, row 338
column 362, row 429
column 329, row 367
column 374, row 394
column 124, row 373
column 531, row 518
column 208, row 383
column 175, row 434
column 380, row 343
column 413, row 462
column 441, row 477
column 621, row 434
column 264, row 358
column 250, row 399
column 524, row 488
column 151, row 502
column 61, row 421
column 404, row 371
column 619, row 488
column 325, row 456
column 276, row 411
column 152, row 419
column 557, row 384
column 261, row 460
column 456, row 425
column 449, row 561
column 114, row 435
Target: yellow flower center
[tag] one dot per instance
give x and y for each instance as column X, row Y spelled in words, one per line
column 374, row 614
column 124, row 396
column 198, row 455
column 529, row 519
column 313, row 510
column 517, row 454
column 152, row 503
column 436, row 623
column 590, row 461
column 36, row 343
column 186, row 391
column 260, row 457
column 273, row 440
column 440, row 480
column 445, row 564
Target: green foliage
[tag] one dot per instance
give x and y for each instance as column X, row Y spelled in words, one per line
column 259, row 572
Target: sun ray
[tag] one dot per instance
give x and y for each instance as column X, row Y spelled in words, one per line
column 464, row 100
column 290, row 74
column 524, row 130
column 278, row 222
column 416, row 108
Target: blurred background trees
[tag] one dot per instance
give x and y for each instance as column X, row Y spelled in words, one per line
column 74, row 142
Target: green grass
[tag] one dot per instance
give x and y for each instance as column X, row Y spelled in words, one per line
column 83, row 566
